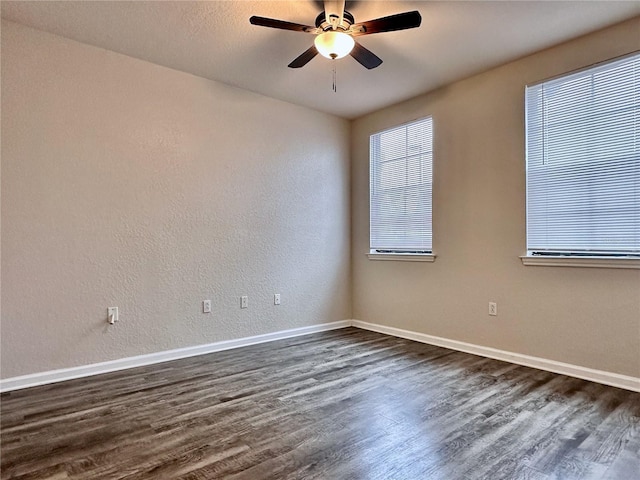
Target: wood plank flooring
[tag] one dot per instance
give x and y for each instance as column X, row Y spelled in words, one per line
column 345, row 404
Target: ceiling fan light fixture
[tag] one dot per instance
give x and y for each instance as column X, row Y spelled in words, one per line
column 333, row 44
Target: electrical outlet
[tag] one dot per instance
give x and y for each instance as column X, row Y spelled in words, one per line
column 493, row 309
column 276, row 299
column 206, row 306
column 244, row 301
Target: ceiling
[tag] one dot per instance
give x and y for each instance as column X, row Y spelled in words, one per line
column 213, row 39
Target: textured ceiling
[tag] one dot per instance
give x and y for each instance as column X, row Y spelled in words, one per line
column 213, row 39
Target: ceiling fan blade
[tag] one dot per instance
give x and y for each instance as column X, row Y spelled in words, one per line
column 305, row 58
column 281, row 24
column 333, row 12
column 400, row 21
column 365, row 57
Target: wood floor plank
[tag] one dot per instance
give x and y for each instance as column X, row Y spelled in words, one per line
column 346, row 404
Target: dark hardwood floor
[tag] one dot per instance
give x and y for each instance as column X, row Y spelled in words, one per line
column 346, row 404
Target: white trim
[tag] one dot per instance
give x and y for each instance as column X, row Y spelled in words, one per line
column 598, row 376
column 566, row 261
column 53, row 376
column 403, row 257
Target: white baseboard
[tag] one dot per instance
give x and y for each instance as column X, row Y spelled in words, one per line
column 598, row 376
column 53, row 376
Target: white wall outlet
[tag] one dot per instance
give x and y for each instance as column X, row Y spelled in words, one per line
column 276, row 299
column 244, row 301
column 493, row 309
column 206, row 306
column 112, row 315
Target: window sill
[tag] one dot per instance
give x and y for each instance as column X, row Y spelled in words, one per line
column 403, row 257
column 565, row 261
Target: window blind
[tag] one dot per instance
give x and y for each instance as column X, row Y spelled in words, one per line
column 401, row 175
column 583, row 161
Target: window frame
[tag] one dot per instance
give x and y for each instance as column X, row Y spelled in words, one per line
column 400, row 254
column 569, row 257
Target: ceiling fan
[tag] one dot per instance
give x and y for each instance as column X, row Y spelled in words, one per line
column 335, row 29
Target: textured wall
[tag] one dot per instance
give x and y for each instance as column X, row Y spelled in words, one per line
column 583, row 316
column 132, row 185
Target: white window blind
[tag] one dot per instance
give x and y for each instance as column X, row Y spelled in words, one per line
column 400, row 188
column 583, row 162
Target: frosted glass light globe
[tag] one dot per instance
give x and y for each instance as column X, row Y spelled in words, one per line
column 333, row 44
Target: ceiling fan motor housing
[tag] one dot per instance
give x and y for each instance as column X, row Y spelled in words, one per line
column 347, row 21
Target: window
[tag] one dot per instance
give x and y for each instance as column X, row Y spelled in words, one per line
column 400, row 187
column 583, row 162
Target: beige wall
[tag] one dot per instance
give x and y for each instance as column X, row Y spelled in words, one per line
column 583, row 316
column 132, row 185
column 126, row 183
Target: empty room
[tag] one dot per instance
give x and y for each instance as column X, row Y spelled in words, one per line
column 393, row 240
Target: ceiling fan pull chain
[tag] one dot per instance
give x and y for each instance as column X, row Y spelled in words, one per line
column 334, row 77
